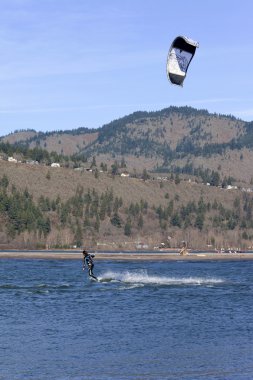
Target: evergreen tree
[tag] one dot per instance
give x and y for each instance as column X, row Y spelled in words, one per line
column 175, row 220
column 140, row 222
column 115, row 168
column 199, row 222
column 116, row 221
column 145, row 176
column 4, row 182
column 128, row 228
column 177, row 179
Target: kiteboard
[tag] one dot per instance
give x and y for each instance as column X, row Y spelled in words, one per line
column 94, row 278
column 108, row 279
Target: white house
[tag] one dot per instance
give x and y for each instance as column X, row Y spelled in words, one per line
column 230, row 187
column 55, row 165
column 11, row 159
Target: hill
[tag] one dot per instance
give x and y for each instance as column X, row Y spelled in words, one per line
column 175, row 139
column 187, row 178
column 43, row 207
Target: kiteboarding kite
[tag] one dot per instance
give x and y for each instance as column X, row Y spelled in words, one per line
column 181, row 52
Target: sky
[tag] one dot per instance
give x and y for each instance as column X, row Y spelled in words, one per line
column 83, row 63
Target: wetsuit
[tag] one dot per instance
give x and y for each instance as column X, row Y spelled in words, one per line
column 89, row 262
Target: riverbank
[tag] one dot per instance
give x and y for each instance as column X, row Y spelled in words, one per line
column 124, row 256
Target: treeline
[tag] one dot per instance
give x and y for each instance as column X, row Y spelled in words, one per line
column 188, row 145
column 207, row 176
column 115, row 137
column 43, row 135
column 40, row 155
column 20, row 211
column 83, row 213
column 87, row 212
column 206, row 214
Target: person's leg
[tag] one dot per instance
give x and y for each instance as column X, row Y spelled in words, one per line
column 91, row 272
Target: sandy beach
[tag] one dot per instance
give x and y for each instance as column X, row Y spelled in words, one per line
column 64, row 255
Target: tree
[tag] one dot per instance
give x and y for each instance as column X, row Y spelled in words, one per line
column 115, row 220
column 123, row 163
column 96, row 173
column 215, row 179
column 199, row 222
column 4, row 182
column 97, row 223
column 115, row 168
column 103, row 167
column 145, row 175
column 93, row 163
column 128, row 228
column 140, row 222
column 175, row 220
column 231, row 224
column 177, row 179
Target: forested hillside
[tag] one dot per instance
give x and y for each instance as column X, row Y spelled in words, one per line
column 149, row 179
column 175, row 139
column 60, row 208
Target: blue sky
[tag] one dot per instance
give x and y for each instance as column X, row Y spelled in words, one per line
column 83, row 63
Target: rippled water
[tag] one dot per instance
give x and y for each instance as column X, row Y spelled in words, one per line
column 142, row 320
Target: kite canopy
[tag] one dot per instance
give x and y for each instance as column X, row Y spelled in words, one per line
column 180, row 55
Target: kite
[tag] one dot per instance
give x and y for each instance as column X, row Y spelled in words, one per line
column 181, row 52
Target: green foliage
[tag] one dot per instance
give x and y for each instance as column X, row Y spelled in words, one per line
column 175, row 220
column 22, row 213
column 140, row 222
column 199, row 222
column 115, row 168
column 177, row 179
column 38, row 154
column 128, row 228
column 4, row 182
column 145, row 176
column 85, row 212
column 116, row 221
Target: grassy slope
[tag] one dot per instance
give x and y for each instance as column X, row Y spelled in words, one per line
column 63, row 182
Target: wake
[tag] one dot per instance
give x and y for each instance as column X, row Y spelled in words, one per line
column 143, row 278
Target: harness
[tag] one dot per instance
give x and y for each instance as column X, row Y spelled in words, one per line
column 89, row 261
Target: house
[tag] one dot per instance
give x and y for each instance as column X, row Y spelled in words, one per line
column 55, row 165
column 32, row 162
column 11, row 159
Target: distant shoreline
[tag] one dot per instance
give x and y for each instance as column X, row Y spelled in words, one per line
column 124, row 256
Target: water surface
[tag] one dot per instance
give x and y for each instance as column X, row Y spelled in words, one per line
column 142, row 320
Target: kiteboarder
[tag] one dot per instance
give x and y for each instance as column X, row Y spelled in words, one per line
column 88, row 261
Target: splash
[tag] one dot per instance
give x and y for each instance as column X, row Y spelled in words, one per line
column 142, row 277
